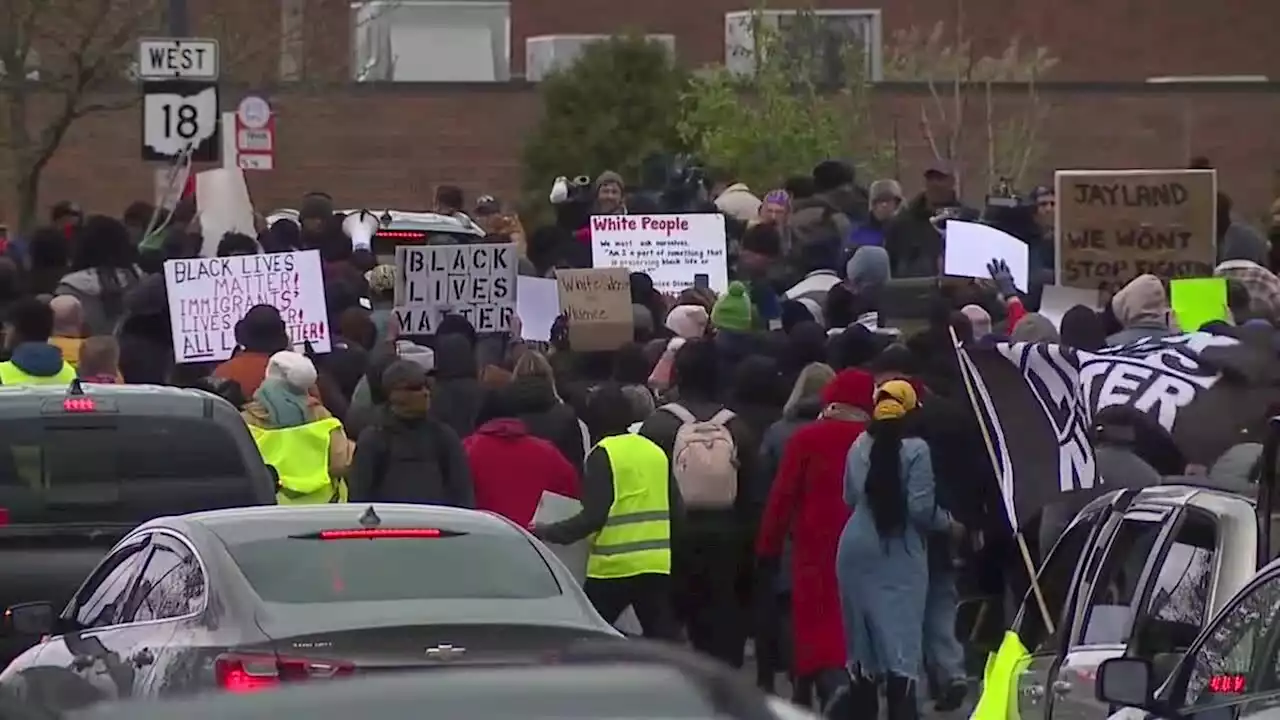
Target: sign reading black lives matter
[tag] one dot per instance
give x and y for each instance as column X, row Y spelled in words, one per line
column 1114, row 225
column 477, row 282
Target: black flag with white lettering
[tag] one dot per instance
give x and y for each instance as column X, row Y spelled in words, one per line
column 1027, row 397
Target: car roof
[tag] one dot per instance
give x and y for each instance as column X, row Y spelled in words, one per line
column 246, row 524
column 613, row 691
column 27, row 400
column 399, row 220
column 1186, row 491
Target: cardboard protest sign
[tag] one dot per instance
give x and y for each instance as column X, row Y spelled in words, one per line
column 598, row 305
column 671, row 249
column 477, row 282
column 1114, row 225
column 208, row 296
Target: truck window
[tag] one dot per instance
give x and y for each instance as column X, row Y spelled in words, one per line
column 1177, row 606
column 1109, row 616
column 1055, row 576
column 130, row 470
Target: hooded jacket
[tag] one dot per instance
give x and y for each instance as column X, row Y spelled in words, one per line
column 38, row 359
column 805, row 503
column 500, row 445
column 534, row 402
column 103, row 305
column 1142, row 307
column 457, row 395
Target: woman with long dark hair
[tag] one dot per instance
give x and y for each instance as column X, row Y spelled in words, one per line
column 882, row 562
column 103, row 271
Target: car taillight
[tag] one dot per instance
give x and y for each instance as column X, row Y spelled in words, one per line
column 369, row 533
column 410, row 235
column 242, row 672
column 4, row 516
column 78, row 404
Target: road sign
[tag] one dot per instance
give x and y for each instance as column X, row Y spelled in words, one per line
column 253, row 112
column 178, row 114
column 249, row 143
column 178, row 59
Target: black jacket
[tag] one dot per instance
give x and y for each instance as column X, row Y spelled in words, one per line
column 534, row 401
column 410, row 461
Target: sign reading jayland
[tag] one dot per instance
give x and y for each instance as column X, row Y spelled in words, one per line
column 208, row 296
column 1114, row 225
column 477, row 282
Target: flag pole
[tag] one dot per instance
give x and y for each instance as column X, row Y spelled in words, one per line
column 1023, row 550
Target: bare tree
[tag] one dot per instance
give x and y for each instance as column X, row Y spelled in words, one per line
column 64, row 60
column 59, row 58
column 947, row 63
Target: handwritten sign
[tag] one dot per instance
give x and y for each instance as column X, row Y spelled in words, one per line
column 208, row 296
column 598, row 305
column 477, row 282
column 1114, row 225
column 671, row 249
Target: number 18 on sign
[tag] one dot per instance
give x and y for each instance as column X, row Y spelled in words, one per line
column 180, row 115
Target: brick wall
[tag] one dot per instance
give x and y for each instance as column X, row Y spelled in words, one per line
column 389, row 145
column 1096, row 40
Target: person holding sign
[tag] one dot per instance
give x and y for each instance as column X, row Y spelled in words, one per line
column 296, row 435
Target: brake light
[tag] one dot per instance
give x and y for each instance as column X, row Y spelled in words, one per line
column 370, row 533
column 4, row 516
column 401, row 234
column 79, row 404
column 245, row 672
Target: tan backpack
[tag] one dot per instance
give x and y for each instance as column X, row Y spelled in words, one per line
column 704, row 459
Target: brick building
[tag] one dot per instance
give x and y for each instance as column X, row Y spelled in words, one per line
column 388, row 143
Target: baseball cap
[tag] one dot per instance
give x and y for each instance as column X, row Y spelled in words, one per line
column 487, row 205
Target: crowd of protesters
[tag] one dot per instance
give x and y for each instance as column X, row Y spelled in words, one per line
column 859, row 469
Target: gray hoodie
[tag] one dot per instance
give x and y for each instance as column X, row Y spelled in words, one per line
column 103, row 303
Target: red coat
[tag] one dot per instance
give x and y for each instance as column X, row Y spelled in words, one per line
column 807, row 502
column 510, row 469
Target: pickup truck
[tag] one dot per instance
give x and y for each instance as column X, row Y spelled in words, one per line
column 82, row 466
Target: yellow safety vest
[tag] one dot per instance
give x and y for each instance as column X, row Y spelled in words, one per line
column 11, row 374
column 300, row 455
column 636, row 539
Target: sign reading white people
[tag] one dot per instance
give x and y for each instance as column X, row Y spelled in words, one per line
column 672, row 249
column 208, row 296
column 477, row 282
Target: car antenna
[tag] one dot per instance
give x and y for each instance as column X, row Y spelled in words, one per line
column 76, row 388
column 370, row 518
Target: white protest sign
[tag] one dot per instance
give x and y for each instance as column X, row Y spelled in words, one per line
column 208, row 296
column 476, row 281
column 970, row 246
column 671, row 249
column 222, row 199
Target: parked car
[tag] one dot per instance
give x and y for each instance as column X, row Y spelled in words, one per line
column 1137, row 574
column 1232, row 670
column 81, row 466
column 247, row 599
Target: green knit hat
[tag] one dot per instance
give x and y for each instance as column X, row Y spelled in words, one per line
column 733, row 310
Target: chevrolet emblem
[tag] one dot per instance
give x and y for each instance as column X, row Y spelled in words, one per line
column 445, row 653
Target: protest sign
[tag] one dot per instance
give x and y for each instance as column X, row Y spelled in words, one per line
column 477, row 282
column 671, row 249
column 222, row 200
column 1196, row 301
column 598, row 305
column 1114, row 225
column 208, row 296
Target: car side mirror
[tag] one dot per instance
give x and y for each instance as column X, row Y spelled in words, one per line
column 33, row 618
column 1126, row 681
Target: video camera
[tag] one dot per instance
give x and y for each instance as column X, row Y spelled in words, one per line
column 1009, row 212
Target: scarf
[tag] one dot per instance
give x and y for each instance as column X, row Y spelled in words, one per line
column 285, row 407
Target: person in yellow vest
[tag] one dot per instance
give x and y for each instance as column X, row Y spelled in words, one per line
column 297, row 435
column 32, row 360
column 628, row 498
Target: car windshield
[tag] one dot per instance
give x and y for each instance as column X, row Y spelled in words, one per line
column 353, row 568
column 129, row 468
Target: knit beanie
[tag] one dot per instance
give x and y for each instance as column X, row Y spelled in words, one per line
column 687, row 321
column 733, row 310
column 294, row 369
